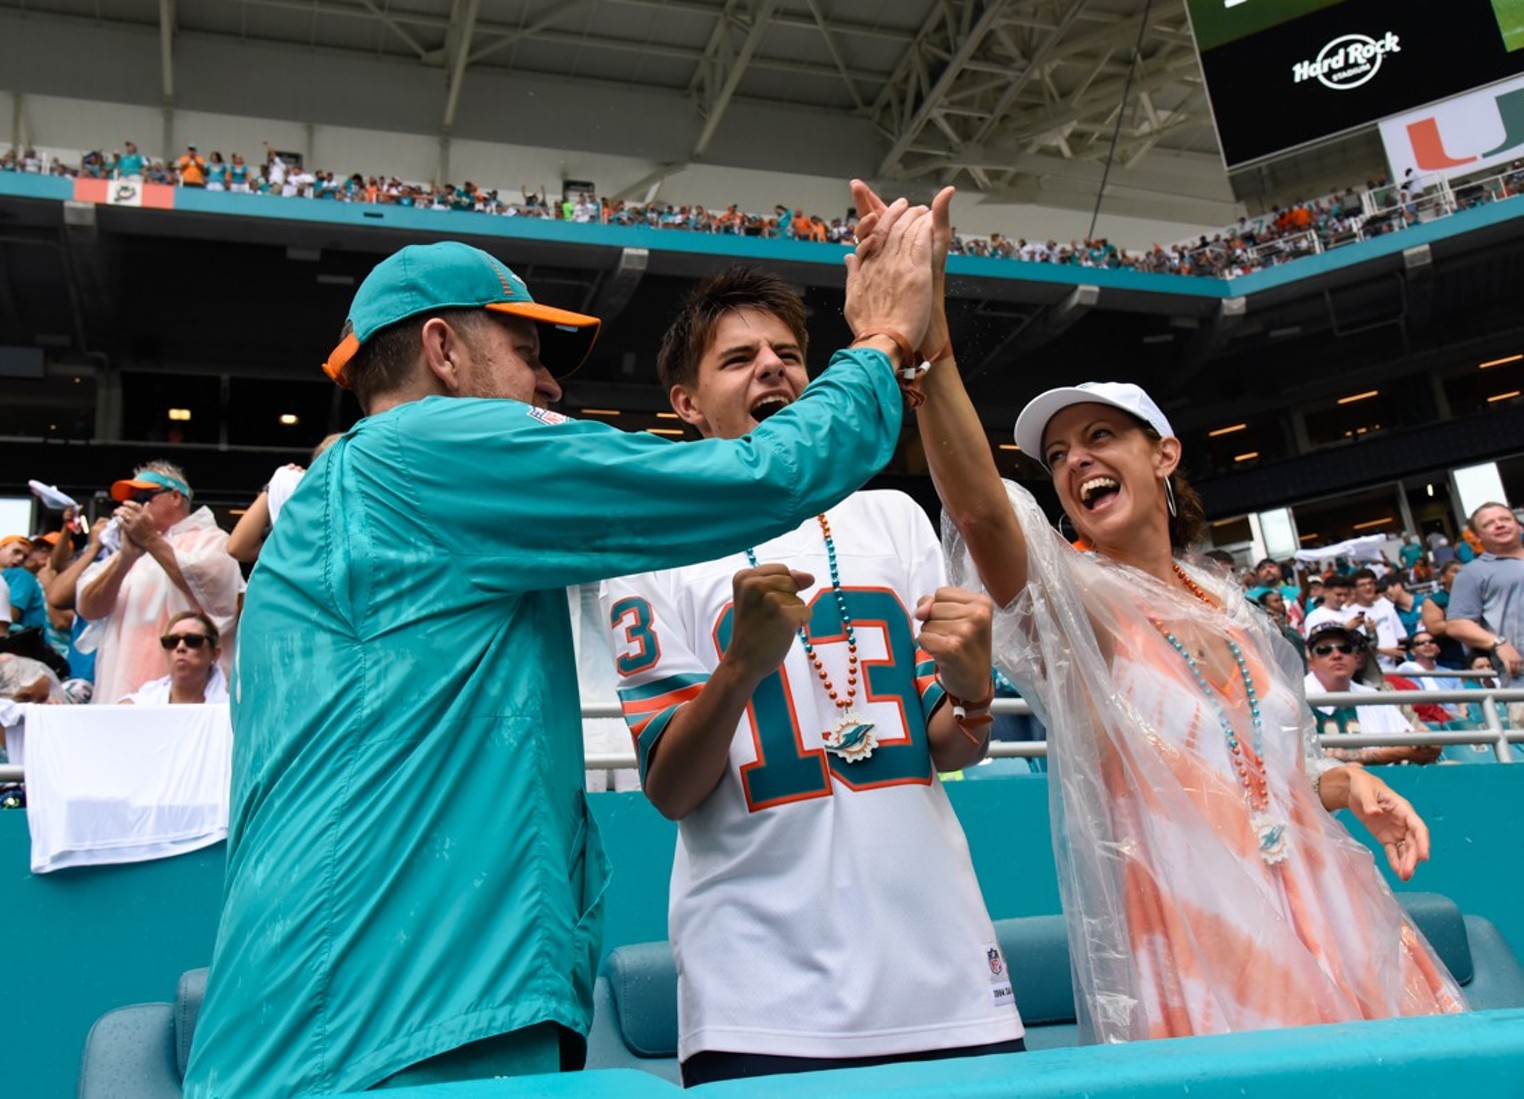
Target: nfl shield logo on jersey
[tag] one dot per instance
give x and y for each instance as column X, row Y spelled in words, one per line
column 546, row 416
column 997, row 966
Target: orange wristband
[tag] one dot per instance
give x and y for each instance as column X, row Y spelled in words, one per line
column 982, row 715
column 901, row 344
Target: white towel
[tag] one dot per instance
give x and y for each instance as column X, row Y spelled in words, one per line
column 109, row 784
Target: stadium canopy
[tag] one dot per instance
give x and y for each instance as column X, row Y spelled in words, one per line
column 1018, row 100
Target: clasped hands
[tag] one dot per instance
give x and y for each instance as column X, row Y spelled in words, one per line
column 896, row 278
column 137, row 527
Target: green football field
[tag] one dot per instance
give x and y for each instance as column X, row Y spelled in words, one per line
column 1510, row 16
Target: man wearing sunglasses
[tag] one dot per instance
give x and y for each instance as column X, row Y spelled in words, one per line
column 1334, row 656
column 191, row 647
column 171, row 560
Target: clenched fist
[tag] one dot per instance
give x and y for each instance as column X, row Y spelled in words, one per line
column 768, row 613
column 955, row 630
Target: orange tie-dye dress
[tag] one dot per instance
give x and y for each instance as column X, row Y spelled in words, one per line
column 1178, row 922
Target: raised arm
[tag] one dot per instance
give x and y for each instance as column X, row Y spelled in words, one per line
column 61, row 589
column 957, row 449
column 248, row 535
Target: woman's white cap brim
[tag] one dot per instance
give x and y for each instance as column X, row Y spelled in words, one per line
column 1034, row 418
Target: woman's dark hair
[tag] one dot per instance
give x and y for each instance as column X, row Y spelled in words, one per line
column 1188, row 526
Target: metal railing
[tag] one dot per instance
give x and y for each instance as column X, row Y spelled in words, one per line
column 1383, row 209
column 1495, row 731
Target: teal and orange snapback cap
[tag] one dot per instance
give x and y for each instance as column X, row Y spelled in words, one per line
column 426, row 278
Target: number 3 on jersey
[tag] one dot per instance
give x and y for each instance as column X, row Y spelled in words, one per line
column 634, row 614
column 785, row 769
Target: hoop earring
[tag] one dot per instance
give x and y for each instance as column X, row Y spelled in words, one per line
column 1059, row 526
column 1169, row 498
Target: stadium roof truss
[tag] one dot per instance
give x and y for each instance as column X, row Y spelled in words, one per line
column 1022, row 100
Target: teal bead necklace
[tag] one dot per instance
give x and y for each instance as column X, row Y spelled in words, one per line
column 1271, row 833
column 852, row 738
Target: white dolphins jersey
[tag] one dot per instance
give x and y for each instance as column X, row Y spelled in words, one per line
column 819, row 907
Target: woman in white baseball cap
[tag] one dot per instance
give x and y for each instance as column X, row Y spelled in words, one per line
column 1207, row 885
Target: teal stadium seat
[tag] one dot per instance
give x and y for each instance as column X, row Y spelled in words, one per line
column 139, row 1052
column 635, row 1019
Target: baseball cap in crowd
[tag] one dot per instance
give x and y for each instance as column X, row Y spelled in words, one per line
column 23, row 539
column 50, row 537
column 1331, row 631
column 147, row 481
column 1034, row 418
column 427, row 278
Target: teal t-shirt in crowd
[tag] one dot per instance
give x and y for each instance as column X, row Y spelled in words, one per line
column 411, row 862
column 29, row 607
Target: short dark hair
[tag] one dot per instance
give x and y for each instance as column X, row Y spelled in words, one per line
column 1390, row 580
column 1267, row 561
column 384, row 361
column 1339, row 580
column 1362, row 574
column 211, row 627
column 692, row 330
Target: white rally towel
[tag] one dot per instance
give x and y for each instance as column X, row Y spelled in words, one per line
column 109, row 784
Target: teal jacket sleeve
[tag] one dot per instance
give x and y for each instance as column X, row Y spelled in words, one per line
column 527, row 500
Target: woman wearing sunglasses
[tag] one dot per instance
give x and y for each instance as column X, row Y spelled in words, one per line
column 1207, row 887
column 190, row 644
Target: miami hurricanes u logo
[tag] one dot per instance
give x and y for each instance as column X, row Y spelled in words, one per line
column 1429, row 148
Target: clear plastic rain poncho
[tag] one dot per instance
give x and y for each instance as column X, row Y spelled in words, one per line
column 1204, row 893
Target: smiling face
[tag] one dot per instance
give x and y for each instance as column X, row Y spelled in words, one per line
column 752, row 367
column 1109, row 474
column 1365, row 591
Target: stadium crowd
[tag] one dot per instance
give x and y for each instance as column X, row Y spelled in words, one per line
column 1392, row 614
column 1302, row 228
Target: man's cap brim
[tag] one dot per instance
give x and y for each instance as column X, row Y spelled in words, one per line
column 565, row 337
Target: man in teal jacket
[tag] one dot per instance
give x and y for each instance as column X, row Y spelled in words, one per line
column 414, row 880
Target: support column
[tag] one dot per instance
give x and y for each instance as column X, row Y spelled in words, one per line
column 1409, row 526
column 108, row 403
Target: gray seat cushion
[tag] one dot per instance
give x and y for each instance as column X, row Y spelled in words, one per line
column 130, row 1054
column 188, row 997
column 642, row 979
column 1036, row 949
column 1441, row 923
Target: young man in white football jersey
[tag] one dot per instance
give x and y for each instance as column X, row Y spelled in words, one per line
column 791, row 707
